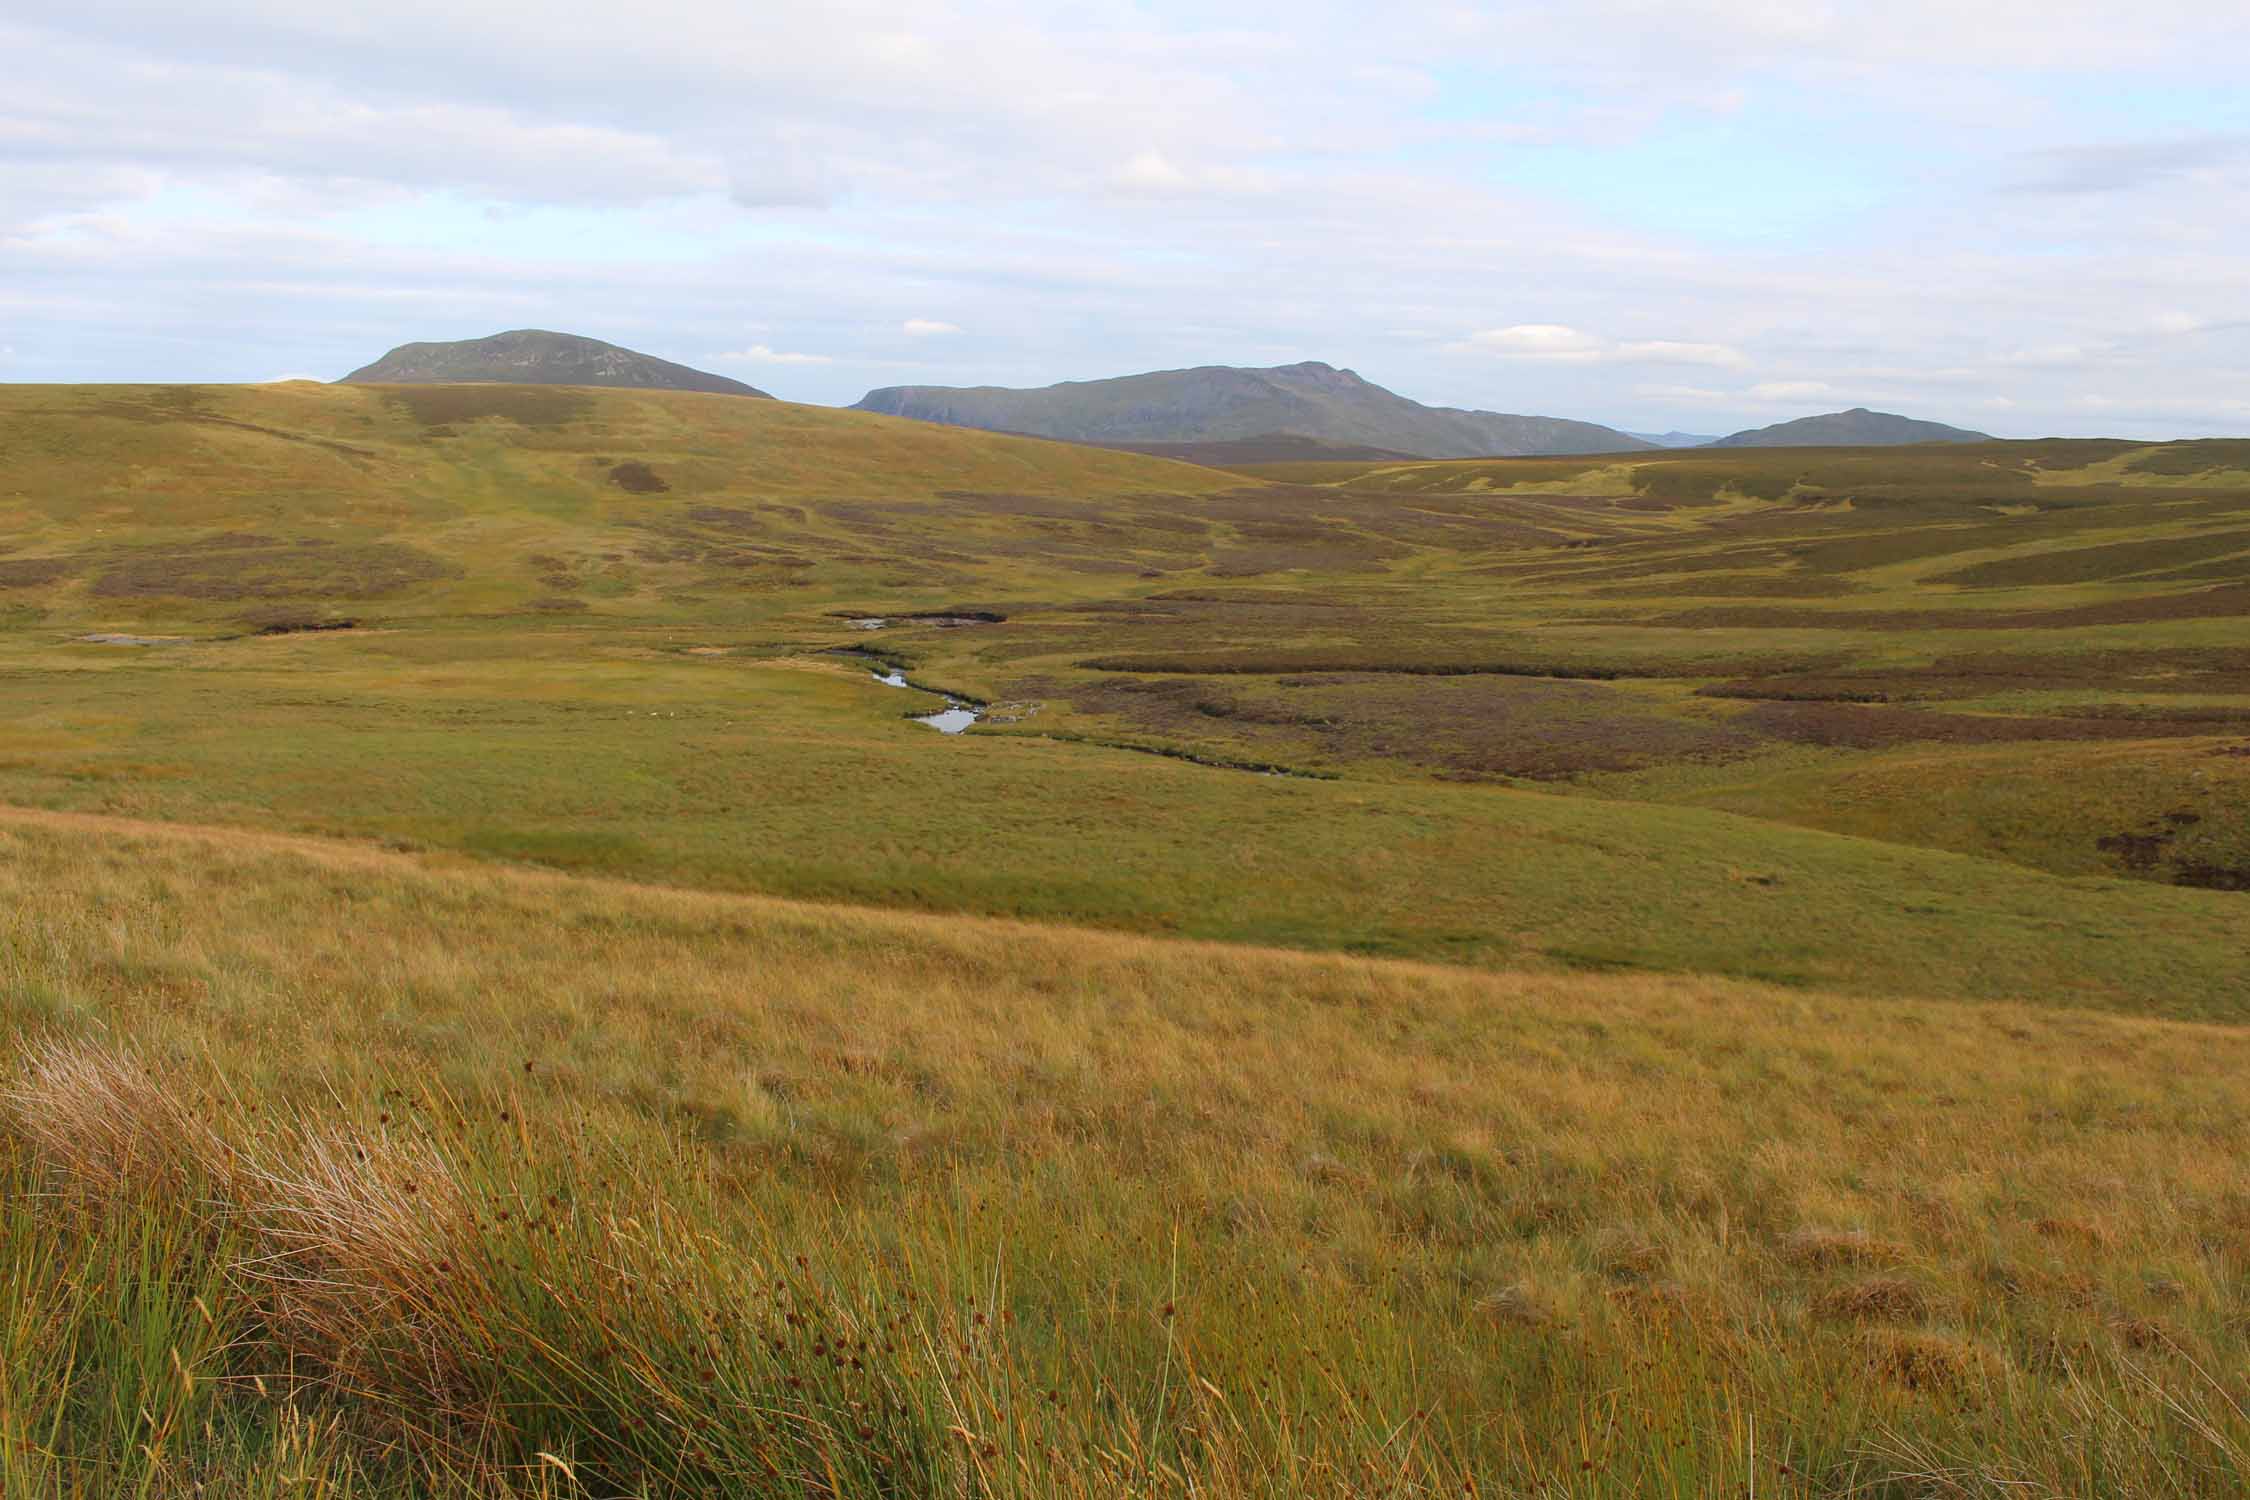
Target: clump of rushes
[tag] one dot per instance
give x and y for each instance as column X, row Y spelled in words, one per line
column 450, row 1314
column 462, row 1319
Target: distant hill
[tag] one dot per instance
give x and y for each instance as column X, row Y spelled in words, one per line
column 1676, row 439
column 533, row 356
column 1222, row 403
column 1856, row 428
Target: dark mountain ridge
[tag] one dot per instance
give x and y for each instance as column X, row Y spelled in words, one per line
column 1226, row 404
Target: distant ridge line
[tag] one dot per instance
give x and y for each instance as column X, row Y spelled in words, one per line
column 1309, row 401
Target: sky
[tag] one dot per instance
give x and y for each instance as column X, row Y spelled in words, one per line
column 2026, row 216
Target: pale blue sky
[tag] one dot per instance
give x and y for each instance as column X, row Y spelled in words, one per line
column 2029, row 218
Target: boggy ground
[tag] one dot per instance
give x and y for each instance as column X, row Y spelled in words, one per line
column 331, row 1170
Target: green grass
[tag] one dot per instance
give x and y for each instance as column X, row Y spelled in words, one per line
column 801, row 777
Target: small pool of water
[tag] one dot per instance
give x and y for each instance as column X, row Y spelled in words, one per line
column 950, row 720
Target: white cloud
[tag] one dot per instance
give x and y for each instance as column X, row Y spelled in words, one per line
column 1152, row 172
column 2047, row 357
column 1688, row 395
column 1672, row 352
column 1791, row 390
column 1159, row 174
column 927, row 328
column 1538, row 341
column 761, row 354
column 1557, row 341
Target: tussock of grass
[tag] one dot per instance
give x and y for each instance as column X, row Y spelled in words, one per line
column 1877, row 1299
column 451, row 1321
column 1831, row 1247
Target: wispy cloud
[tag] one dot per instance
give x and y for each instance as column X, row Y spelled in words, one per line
column 1674, row 352
column 927, row 328
column 761, row 354
column 1538, row 341
column 1557, row 341
column 2127, row 166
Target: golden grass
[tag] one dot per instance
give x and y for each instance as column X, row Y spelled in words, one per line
column 1082, row 1213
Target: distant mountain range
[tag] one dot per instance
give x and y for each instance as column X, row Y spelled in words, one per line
column 1220, row 415
column 534, row 356
column 1856, row 428
column 1223, row 403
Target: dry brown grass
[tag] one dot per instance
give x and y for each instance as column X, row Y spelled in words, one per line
column 1840, row 1247
column 1324, row 1194
column 1877, row 1299
column 103, row 1125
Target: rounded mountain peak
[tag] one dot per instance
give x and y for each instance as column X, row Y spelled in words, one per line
column 540, row 356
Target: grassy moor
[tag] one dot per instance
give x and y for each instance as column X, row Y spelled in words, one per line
column 1669, row 973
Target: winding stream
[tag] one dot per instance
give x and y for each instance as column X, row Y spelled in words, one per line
column 951, row 719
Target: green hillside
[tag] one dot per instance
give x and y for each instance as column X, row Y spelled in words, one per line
column 191, row 502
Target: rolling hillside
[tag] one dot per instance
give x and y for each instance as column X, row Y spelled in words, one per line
column 214, row 502
column 596, row 630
